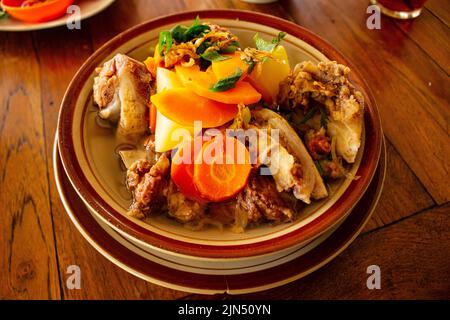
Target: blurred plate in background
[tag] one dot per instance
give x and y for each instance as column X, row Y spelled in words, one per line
column 88, row 8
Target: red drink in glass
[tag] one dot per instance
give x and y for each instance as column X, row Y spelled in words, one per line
column 401, row 9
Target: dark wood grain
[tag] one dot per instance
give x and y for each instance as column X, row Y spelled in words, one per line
column 406, row 64
column 402, row 193
column 431, row 35
column 58, row 64
column 412, row 255
column 28, row 260
column 439, row 8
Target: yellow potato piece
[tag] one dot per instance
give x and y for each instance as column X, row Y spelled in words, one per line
column 168, row 133
column 267, row 77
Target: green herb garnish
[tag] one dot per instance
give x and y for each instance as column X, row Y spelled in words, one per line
column 323, row 118
column 165, row 41
column 251, row 64
column 178, row 33
column 263, row 45
column 213, row 56
column 231, row 48
column 3, row 14
column 319, row 167
column 228, row 82
column 311, row 112
column 182, row 33
column 196, row 31
column 196, row 21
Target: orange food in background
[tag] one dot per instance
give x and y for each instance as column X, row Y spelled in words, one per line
column 39, row 12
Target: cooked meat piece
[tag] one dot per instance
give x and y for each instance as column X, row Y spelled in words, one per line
column 283, row 166
column 146, row 183
column 182, row 208
column 260, row 199
column 332, row 169
column 122, row 90
column 318, row 143
column 222, row 211
column 305, row 183
column 327, row 83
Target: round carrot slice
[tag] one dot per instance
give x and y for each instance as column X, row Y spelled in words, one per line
column 223, row 169
column 182, row 168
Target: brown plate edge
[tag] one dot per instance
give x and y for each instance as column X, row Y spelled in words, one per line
column 373, row 128
column 217, row 284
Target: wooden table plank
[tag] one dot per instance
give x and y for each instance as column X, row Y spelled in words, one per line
column 412, row 255
column 411, row 250
column 99, row 276
column 410, row 88
column 129, row 13
column 440, row 8
column 432, row 35
column 28, row 257
column 402, row 194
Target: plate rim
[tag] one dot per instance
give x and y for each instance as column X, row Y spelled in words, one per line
column 220, row 284
column 94, row 201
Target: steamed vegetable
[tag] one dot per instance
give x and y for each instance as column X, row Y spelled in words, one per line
column 182, row 169
column 263, row 45
column 224, row 169
column 225, row 68
column 269, row 73
column 201, row 83
column 184, row 107
column 167, row 131
column 152, row 118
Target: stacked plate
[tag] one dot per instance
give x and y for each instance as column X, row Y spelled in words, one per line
column 90, row 182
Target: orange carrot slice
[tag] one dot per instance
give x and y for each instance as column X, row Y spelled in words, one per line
column 184, row 107
column 226, row 68
column 152, row 118
column 200, row 82
column 223, row 170
column 182, row 168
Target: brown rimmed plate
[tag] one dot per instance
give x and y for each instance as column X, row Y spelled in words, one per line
column 162, row 275
column 95, row 174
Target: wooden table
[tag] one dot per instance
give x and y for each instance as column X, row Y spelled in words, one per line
column 407, row 66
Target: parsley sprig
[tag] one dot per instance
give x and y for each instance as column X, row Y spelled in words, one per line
column 214, row 56
column 228, row 82
column 264, row 45
column 180, row 34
